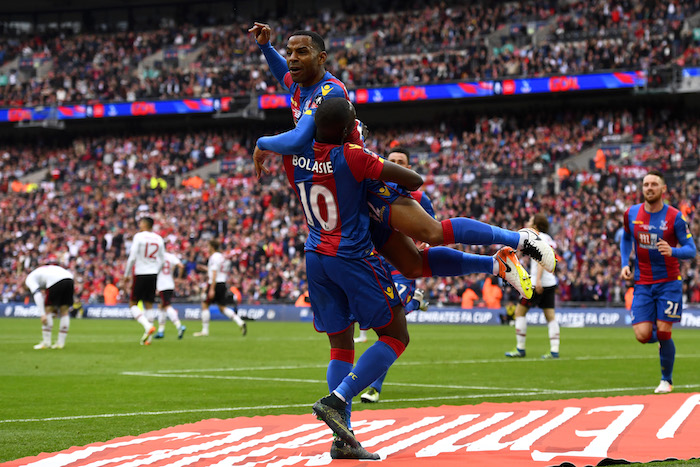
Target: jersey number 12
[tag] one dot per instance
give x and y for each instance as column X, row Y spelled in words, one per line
column 149, row 252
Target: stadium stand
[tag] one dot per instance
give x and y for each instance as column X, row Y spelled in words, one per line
column 493, row 173
column 417, row 46
column 580, row 165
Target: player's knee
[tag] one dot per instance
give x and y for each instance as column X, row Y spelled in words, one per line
column 433, row 234
column 398, row 343
column 663, row 335
column 643, row 337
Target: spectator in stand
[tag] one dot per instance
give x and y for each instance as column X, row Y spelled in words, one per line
column 450, row 42
column 104, row 182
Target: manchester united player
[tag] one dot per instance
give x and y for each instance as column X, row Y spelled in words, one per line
column 218, row 268
column 145, row 259
column 165, row 286
column 58, row 285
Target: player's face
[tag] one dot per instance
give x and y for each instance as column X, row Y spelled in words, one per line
column 653, row 188
column 399, row 158
column 304, row 60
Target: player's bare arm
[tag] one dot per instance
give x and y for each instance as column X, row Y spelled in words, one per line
column 392, row 172
column 540, row 271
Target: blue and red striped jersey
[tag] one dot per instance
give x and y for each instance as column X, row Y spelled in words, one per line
column 306, row 100
column 330, row 182
column 309, row 98
column 646, row 229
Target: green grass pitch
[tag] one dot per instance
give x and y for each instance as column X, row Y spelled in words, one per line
column 280, row 368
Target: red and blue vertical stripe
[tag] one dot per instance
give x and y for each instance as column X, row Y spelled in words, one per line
column 652, row 267
column 334, row 197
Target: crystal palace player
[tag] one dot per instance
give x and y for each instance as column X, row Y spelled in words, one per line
column 346, row 280
column 304, row 75
column 661, row 237
column 411, row 296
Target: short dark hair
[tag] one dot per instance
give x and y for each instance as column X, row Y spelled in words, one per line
column 316, row 39
column 148, row 221
column 333, row 115
column 541, row 222
column 658, row 174
column 402, row 150
column 214, row 243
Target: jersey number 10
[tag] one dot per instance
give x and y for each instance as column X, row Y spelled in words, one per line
column 312, row 208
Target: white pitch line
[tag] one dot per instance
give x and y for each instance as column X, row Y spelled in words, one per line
column 393, row 383
column 245, row 378
column 163, row 412
column 419, row 363
column 313, row 381
column 292, row 406
column 256, row 368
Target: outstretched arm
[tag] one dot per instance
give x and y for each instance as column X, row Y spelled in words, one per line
column 292, row 141
column 406, row 177
column 366, row 164
column 277, row 63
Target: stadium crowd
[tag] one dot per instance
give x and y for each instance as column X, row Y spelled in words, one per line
column 83, row 215
column 419, row 46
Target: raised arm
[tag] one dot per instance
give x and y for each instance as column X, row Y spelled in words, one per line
column 277, row 63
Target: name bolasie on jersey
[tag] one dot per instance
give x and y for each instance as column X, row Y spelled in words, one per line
column 312, row 165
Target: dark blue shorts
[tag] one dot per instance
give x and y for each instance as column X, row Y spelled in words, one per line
column 380, row 197
column 343, row 291
column 657, row 302
column 406, row 288
column 380, row 233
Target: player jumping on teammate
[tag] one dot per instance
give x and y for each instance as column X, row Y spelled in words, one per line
column 303, row 74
